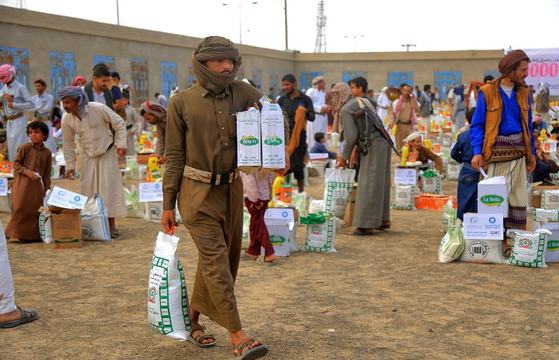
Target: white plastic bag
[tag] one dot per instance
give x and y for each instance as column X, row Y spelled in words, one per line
column 95, row 224
column 449, row 215
column 167, row 307
column 337, row 189
column 132, row 197
column 452, row 245
column 315, row 206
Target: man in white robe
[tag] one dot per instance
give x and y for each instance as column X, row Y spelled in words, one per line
column 320, row 124
column 100, row 149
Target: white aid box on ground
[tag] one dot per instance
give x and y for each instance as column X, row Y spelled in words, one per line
column 483, row 226
column 280, row 223
column 248, row 141
column 273, row 141
column 493, row 196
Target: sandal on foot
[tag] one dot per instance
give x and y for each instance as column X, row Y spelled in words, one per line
column 27, row 315
column 197, row 340
column 245, row 352
column 261, row 261
column 114, row 233
column 244, row 256
column 360, row 231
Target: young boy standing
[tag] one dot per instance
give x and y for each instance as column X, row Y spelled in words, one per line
column 32, row 168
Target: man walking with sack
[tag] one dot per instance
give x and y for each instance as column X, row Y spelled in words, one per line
column 201, row 171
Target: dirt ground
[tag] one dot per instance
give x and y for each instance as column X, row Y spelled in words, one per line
column 383, row 296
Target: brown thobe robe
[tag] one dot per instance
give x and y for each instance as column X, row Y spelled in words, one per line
column 403, row 122
column 27, row 194
column 202, row 133
column 426, row 154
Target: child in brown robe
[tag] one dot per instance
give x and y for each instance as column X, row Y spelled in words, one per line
column 32, row 168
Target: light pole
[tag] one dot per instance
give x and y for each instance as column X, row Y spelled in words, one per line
column 354, row 38
column 407, row 46
column 240, row 20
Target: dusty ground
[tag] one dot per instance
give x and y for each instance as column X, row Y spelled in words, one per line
column 384, row 296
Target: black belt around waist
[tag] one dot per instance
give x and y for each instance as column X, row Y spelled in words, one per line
column 404, row 122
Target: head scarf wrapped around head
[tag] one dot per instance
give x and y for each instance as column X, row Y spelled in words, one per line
column 316, row 80
column 411, row 137
column 77, row 78
column 340, row 95
column 7, row 72
column 215, row 48
column 74, row 92
column 155, row 109
column 384, row 89
column 509, row 61
column 459, row 90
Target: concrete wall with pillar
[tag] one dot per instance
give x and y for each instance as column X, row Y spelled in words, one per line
column 40, row 34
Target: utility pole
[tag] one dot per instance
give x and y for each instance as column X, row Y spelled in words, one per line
column 285, row 9
column 407, row 46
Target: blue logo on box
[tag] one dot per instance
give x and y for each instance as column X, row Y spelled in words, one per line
column 492, row 220
column 77, row 198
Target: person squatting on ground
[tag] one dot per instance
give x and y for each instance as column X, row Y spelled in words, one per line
column 32, row 169
column 202, row 172
column 100, row 149
column 257, row 189
column 155, row 114
column 372, row 207
column 501, row 133
column 415, row 145
column 10, row 314
column 16, row 98
column 293, row 102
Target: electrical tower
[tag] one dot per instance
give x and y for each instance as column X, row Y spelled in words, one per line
column 320, row 46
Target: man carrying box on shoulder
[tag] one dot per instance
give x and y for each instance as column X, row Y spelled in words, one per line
column 501, row 133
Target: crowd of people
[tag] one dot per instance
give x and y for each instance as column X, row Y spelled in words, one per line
column 204, row 180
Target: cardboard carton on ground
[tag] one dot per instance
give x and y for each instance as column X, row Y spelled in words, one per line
column 493, row 196
column 350, row 210
column 536, row 200
column 65, row 207
column 280, row 223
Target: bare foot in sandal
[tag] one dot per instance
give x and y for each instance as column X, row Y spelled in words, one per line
column 247, row 347
column 199, row 336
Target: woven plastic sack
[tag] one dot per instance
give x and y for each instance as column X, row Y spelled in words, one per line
column 449, row 215
column 95, row 223
column 154, row 211
column 320, row 235
column 246, row 230
column 550, row 199
column 483, row 251
column 167, row 306
column 453, row 170
column 300, row 202
column 529, row 247
column 452, row 245
column 431, row 182
column 337, row 189
column 403, row 197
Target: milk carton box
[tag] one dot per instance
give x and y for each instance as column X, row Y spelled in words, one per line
column 493, row 196
column 273, row 140
column 248, row 141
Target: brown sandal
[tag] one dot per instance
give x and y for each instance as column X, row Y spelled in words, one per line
column 244, row 351
column 197, row 340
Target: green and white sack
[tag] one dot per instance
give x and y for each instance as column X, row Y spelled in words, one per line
column 403, row 197
column 449, row 215
column 529, row 247
column 154, row 211
column 453, row 170
column 132, row 198
column 246, row 230
column 550, row 199
column 167, row 306
column 431, row 182
column 544, row 216
column 337, row 189
column 452, row 245
column 320, row 236
column 95, row 223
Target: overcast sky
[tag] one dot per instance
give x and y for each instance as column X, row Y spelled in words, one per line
column 360, row 25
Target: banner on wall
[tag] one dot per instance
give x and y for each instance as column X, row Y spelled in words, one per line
column 544, row 67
